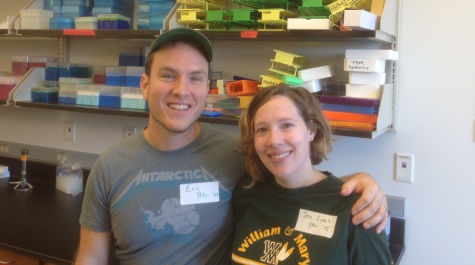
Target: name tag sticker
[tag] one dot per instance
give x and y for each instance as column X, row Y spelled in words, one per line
column 316, row 223
column 195, row 193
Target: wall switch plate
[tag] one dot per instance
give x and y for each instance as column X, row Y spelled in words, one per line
column 70, row 131
column 405, row 167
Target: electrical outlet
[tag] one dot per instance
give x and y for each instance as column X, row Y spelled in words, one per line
column 70, row 131
column 61, row 156
column 405, row 167
column 129, row 131
column 4, row 148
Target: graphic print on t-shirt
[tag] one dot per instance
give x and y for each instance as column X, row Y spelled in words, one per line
column 161, row 212
column 274, row 246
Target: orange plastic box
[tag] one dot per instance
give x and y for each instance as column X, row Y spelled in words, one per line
column 242, row 87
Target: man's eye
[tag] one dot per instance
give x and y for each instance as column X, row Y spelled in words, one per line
column 287, row 125
column 196, row 78
column 167, row 76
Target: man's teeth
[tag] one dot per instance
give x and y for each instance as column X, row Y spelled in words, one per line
column 281, row 155
column 178, row 106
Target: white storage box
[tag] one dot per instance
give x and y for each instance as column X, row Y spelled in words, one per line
column 85, row 22
column 362, row 78
column 316, row 73
column 364, row 91
column 312, row 86
column 35, row 18
column 359, row 20
column 364, row 65
column 371, row 54
column 309, row 24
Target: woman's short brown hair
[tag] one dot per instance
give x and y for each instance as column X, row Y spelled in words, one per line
column 309, row 109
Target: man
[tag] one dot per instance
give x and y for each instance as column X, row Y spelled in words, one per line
column 163, row 196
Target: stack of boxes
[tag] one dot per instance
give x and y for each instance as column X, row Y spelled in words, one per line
column 20, row 66
column 359, row 108
column 116, row 86
column 120, row 7
column 65, row 12
column 90, row 14
column 152, row 13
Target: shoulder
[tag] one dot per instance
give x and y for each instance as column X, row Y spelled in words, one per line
column 219, row 140
column 128, row 148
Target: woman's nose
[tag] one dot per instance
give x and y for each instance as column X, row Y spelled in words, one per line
column 275, row 137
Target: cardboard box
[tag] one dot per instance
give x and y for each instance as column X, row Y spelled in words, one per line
column 359, row 20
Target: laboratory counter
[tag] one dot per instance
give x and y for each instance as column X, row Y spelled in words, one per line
column 42, row 223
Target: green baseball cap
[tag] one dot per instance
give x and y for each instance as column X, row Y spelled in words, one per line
column 184, row 33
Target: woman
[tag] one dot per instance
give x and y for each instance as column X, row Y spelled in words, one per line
column 288, row 212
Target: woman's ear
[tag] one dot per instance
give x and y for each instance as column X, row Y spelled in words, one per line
column 312, row 134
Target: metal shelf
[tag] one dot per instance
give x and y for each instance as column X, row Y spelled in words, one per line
column 225, row 119
column 230, row 35
column 234, row 35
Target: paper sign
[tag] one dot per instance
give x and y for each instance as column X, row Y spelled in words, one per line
column 316, row 223
column 195, row 193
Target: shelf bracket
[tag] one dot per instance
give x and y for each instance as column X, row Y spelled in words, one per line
column 63, row 50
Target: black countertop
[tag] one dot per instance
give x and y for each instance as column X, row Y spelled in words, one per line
column 42, row 223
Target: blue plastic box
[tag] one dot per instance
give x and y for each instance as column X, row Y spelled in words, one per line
column 131, row 98
column 74, row 70
column 61, row 23
column 113, row 24
column 86, row 3
column 87, row 94
column 52, row 74
column 44, row 94
column 116, row 75
column 120, row 4
column 109, row 97
column 75, row 11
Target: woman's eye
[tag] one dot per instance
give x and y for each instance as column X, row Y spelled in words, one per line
column 260, row 130
column 287, row 125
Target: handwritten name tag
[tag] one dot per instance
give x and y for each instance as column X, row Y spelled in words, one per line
column 316, row 223
column 195, row 193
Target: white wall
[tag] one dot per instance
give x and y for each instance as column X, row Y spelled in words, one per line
column 436, row 123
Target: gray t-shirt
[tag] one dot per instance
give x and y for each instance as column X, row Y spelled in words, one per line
column 133, row 191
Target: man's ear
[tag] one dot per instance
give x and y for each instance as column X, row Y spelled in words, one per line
column 144, row 85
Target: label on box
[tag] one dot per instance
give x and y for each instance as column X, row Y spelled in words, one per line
column 365, row 65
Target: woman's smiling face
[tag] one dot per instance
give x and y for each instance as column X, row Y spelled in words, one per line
column 282, row 141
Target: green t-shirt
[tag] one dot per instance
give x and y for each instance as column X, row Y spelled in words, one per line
column 310, row 225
